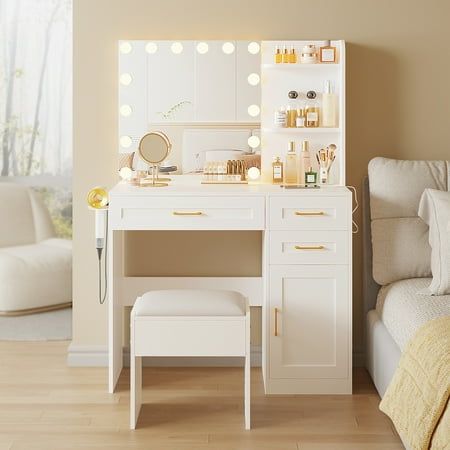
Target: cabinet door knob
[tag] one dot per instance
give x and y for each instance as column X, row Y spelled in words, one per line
column 275, row 333
column 309, row 247
column 187, row 213
column 309, row 213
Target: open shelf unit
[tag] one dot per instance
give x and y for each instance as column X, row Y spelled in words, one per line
column 277, row 81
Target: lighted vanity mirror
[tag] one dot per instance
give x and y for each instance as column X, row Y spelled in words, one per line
column 154, row 148
column 189, row 90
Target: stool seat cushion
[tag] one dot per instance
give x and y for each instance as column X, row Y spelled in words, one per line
column 190, row 302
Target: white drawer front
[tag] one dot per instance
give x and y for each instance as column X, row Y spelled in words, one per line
column 309, row 213
column 188, row 213
column 309, row 247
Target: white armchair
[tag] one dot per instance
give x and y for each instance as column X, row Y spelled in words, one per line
column 35, row 266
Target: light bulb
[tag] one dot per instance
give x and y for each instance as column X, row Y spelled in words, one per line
column 125, row 110
column 125, row 48
column 253, row 79
column 228, row 48
column 202, row 48
column 253, row 110
column 253, row 48
column 253, row 141
column 253, row 173
column 126, row 141
column 151, row 48
column 126, row 79
column 177, row 48
column 126, row 173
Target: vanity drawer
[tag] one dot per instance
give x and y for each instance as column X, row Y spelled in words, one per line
column 188, row 213
column 309, row 247
column 309, row 213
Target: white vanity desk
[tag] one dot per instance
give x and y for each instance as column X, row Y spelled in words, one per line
column 305, row 288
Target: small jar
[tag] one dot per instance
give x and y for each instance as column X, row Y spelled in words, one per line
column 309, row 54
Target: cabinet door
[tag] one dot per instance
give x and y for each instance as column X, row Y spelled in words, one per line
column 309, row 321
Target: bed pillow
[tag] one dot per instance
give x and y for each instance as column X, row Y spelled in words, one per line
column 434, row 209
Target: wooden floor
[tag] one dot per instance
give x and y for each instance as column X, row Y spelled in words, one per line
column 46, row 405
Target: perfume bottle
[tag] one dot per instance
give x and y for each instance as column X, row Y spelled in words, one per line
column 290, row 173
column 280, row 118
column 310, row 177
column 304, row 162
column 312, row 110
column 293, row 56
column 327, row 53
column 278, row 57
column 285, row 56
column 277, row 171
column 329, row 107
column 301, row 117
column 292, row 109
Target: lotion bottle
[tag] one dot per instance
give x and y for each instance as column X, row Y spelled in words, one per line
column 329, row 107
column 290, row 171
column 277, row 171
column 304, row 162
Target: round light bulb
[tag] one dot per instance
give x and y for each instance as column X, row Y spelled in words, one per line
column 126, row 141
column 126, row 79
column 177, row 48
column 202, row 48
column 253, row 110
column 253, row 173
column 228, row 48
column 253, row 48
column 253, row 79
column 125, row 110
column 253, row 141
column 151, row 48
column 126, row 173
column 125, row 48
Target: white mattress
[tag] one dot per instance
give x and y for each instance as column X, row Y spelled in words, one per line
column 403, row 309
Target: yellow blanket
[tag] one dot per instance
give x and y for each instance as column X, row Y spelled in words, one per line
column 418, row 395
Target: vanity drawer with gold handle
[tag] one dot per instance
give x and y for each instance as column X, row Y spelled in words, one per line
column 309, row 247
column 155, row 212
column 309, row 212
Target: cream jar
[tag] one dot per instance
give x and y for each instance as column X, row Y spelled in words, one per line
column 308, row 54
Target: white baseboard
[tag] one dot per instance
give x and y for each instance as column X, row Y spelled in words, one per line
column 97, row 356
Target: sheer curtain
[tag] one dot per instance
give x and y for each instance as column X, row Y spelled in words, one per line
column 36, row 101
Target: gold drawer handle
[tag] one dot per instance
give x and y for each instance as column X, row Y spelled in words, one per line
column 309, row 213
column 275, row 333
column 187, row 213
column 309, row 247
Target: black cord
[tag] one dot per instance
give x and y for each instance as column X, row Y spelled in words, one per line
column 102, row 298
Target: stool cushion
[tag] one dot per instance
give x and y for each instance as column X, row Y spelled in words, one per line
column 190, row 302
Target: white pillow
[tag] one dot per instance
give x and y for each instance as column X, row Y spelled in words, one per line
column 434, row 209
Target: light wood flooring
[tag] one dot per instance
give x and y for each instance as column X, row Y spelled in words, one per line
column 46, row 405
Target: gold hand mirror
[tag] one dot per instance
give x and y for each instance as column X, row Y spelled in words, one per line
column 154, row 148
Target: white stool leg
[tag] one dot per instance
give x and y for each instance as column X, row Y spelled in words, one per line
column 247, row 371
column 135, row 389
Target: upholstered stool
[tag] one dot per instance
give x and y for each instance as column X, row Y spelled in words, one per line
column 188, row 322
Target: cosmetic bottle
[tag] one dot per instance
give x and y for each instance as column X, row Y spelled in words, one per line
column 312, row 110
column 309, row 54
column 290, row 172
column 304, row 162
column 292, row 109
column 285, row 56
column 292, row 56
column 277, row 171
column 329, row 107
column 327, row 53
column 300, row 119
column 310, row 177
column 278, row 56
column 280, row 118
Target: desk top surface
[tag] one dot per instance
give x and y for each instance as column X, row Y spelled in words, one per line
column 191, row 185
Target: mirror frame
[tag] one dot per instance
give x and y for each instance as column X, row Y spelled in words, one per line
column 165, row 139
